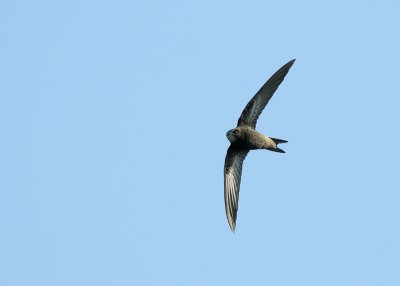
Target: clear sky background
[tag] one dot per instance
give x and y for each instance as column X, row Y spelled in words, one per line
column 113, row 117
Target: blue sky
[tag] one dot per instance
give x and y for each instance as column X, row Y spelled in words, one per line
column 113, row 117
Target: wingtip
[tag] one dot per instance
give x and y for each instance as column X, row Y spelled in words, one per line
column 291, row 62
column 232, row 224
column 286, row 67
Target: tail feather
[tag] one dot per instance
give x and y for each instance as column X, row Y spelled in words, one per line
column 278, row 141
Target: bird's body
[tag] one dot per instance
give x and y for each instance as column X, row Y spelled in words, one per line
column 251, row 139
column 244, row 138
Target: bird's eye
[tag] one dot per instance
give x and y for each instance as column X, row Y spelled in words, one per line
column 235, row 132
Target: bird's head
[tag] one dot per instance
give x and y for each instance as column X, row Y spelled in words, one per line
column 234, row 135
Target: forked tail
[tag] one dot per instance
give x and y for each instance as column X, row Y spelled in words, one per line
column 278, row 141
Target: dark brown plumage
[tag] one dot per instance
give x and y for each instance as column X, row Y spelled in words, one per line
column 244, row 138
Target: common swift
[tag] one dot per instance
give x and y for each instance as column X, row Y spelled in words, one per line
column 244, row 138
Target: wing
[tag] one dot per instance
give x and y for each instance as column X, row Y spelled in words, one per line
column 257, row 104
column 232, row 174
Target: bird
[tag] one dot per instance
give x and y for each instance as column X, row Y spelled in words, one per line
column 244, row 138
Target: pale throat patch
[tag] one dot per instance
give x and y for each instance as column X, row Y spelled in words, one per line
column 231, row 138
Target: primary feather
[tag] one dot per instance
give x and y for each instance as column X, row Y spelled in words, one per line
column 257, row 104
